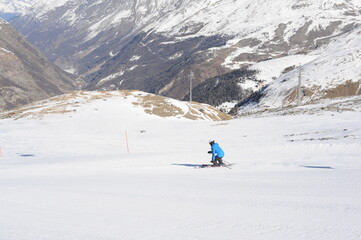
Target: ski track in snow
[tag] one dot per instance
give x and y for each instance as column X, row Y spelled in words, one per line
column 70, row 177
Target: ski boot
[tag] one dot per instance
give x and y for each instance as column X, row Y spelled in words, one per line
column 215, row 163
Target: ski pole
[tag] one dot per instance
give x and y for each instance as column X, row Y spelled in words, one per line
column 227, row 164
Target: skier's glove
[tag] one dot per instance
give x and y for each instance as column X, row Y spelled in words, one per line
column 209, row 151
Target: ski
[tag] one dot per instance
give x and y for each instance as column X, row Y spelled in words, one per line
column 228, row 165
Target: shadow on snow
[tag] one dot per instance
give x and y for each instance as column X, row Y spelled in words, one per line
column 26, row 155
column 187, row 165
column 317, row 167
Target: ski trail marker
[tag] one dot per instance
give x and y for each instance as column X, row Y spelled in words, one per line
column 126, row 140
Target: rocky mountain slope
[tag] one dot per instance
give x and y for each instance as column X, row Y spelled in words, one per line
column 25, row 73
column 226, row 88
column 130, row 101
column 153, row 45
column 335, row 72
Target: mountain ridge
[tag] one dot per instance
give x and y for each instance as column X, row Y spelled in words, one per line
column 25, row 73
column 133, row 102
column 318, row 80
column 153, row 45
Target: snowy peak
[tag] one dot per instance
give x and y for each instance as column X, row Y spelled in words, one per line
column 197, row 18
column 15, row 6
column 133, row 104
column 242, row 17
column 12, row 8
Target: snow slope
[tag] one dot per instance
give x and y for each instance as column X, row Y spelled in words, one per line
column 15, row 6
column 229, row 17
column 334, row 71
column 144, row 102
column 23, row 6
column 70, row 176
column 12, row 8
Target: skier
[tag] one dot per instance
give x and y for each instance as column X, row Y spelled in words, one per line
column 217, row 153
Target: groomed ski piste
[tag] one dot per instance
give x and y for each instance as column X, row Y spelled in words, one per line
column 69, row 175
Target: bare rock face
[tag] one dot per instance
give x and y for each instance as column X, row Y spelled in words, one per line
column 25, row 73
column 152, row 45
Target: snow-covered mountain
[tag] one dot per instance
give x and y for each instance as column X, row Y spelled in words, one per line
column 152, row 45
column 12, row 8
column 334, row 72
column 25, row 73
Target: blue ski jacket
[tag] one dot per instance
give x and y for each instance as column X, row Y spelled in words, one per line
column 216, row 151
